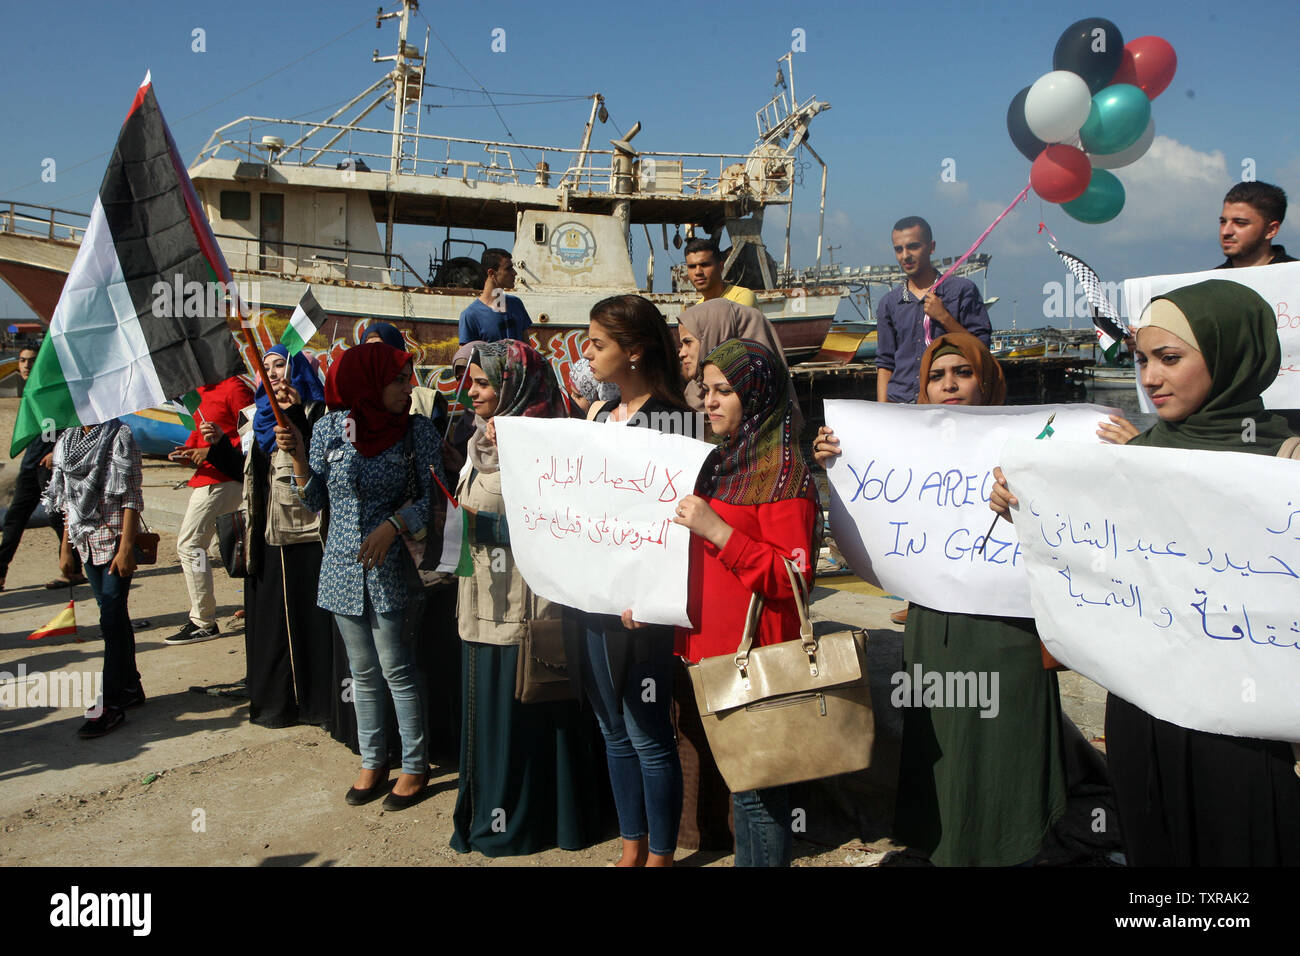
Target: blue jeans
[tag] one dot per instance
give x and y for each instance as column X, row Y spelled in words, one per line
column 762, row 821
column 110, row 592
column 377, row 653
column 645, row 772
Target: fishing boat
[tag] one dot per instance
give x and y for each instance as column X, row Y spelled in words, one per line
column 1114, row 377
column 1016, row 344
column 295, row 204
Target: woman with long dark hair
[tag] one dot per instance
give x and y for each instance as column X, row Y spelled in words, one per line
column 626, row 669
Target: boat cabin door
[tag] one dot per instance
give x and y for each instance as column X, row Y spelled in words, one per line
column 330, row 235
column 270, row 233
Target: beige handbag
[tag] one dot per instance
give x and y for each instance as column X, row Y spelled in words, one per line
column 542, row 671
column 788, row 712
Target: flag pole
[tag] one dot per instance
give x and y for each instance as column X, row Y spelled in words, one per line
column 270, row 396
column 451, row 422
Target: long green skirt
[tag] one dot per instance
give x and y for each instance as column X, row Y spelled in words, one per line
column 978, row 790
column 527, row 771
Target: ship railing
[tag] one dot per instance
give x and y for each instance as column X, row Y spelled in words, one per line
column 890, row 275
column 309, row 260
column 591, row 171
column 30, row 219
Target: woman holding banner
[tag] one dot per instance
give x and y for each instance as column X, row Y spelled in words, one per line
column 973, row 789
column 287, row 636
column 1185, row 797
column 526, row 771
column 370, row 460
column 625, row 668
column 758, row 510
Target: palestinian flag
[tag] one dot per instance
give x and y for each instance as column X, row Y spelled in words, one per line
column 187, row 406
column 1110, row 332
column 306, row 319
column 450, row 533
column 142, row 316
column 65, row 622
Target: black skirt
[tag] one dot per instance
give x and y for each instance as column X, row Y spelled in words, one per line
column 1188, row 798
column 288, row 639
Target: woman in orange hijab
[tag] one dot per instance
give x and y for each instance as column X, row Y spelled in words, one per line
column 977, row 786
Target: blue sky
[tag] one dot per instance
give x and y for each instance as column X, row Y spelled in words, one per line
column 910, row 86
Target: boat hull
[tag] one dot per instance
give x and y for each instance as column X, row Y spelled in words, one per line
column 37, row 268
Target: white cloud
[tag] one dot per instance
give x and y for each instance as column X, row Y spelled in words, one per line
column 955, row 192
column 1173, row 192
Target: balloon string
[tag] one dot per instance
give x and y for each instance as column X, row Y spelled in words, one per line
column 983, row 235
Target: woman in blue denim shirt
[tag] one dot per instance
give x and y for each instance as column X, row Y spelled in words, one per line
column 365, row 445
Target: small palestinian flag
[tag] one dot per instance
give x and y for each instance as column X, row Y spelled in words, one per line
column 187, row 406
column 65, row 622
column 306, row 319
column 1048, row 431
column 143, row 313
column 450, row 527
column 1110, row 332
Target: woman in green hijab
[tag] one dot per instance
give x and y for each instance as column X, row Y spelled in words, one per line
column 1206, row 353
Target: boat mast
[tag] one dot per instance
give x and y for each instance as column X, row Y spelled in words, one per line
column 783, row 119
column 407, row 79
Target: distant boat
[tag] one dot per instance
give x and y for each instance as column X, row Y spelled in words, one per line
column 1106, row 376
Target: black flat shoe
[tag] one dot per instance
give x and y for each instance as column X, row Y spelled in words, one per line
column 395, row 801
column 358, row 798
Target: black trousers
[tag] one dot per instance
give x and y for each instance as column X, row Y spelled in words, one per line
column 27, row 495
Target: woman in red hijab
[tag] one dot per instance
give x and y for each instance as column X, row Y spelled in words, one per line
column 370, row 461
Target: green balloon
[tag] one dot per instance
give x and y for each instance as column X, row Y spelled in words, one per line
column 1100, row 202
column 1117, row 119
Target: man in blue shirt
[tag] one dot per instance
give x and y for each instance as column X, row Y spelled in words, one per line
column 494, row 316
column 910, row 315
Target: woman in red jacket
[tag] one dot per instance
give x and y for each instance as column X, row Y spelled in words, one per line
column 759, row 509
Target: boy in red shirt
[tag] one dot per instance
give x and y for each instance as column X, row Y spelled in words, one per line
column 215, row 493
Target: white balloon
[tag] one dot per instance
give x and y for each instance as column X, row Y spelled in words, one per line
column 1126, row 156
column 1057, row 105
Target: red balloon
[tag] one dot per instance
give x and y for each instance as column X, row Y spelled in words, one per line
column 1149, row 64
column 1060, row 173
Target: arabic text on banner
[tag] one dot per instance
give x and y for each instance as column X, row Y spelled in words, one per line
column 1181, row 595
column 909, row 498
column 590, row 509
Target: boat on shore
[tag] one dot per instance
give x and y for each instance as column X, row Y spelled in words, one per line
column 296, row 204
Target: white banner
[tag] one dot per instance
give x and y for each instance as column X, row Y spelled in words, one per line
column 590, row 509
column 909, row 497
column 1171, row 578
column 1280, row 287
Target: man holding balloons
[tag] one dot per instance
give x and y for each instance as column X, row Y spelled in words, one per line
column 913, row 314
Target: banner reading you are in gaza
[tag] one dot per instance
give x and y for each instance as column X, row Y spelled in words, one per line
column 590, row 509
column 1170, row 577
column 909, row 502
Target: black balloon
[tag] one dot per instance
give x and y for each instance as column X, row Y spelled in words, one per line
column 1093, row 55
column 1023, row 138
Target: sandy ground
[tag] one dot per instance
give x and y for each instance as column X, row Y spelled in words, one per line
column 189, row 781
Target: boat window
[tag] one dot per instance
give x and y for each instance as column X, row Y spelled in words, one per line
column 236, row 205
